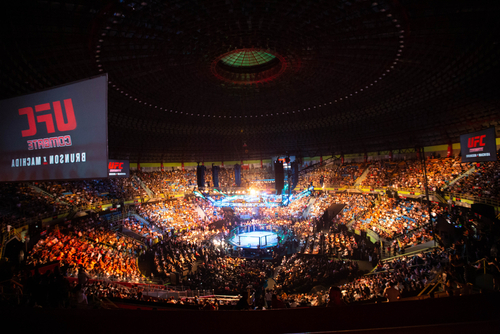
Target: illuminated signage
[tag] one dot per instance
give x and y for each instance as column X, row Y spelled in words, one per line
column 57, row 134
column 479, row 146
column 118, row 168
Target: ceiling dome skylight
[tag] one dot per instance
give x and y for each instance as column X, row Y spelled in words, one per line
column 247, row 66
column 247, row 58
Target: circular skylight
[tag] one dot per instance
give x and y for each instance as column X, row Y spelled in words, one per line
column 247, row 58
column 246, row 66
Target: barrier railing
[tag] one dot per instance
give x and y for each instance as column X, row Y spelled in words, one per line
column 40, row 190
column 41, row 218
column 169, row 293
column 474, row 199
column 431, row 286
column 438, row 282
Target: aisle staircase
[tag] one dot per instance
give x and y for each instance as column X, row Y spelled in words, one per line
column 200, row 211
column 362, row 177
column 305, row 214
column 467, row 173
column 143, row 185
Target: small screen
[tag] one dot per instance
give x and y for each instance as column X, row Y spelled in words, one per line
column 118, row 168
column 479, row 146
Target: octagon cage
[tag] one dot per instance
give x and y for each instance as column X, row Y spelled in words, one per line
column 255, row 236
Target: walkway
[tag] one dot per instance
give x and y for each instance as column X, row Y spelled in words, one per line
column 362, row 177
column 467, row 173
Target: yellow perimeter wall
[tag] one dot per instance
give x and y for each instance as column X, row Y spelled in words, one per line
column 436, row 148
column 191, row 164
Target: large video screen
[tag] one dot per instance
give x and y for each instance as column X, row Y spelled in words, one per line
column 479, row 146
column 118, row 168
column 57, row 134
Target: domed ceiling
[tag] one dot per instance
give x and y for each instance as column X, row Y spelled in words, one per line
column 230, row 80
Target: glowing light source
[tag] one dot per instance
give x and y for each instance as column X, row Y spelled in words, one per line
column 246, row 58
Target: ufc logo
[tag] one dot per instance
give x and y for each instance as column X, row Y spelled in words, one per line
column 473, row 141
column 47, row 118
column 115, row 165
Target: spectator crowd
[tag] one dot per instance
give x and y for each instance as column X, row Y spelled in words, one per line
column 186, row 236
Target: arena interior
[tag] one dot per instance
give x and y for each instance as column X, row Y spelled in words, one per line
column 254, row 166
